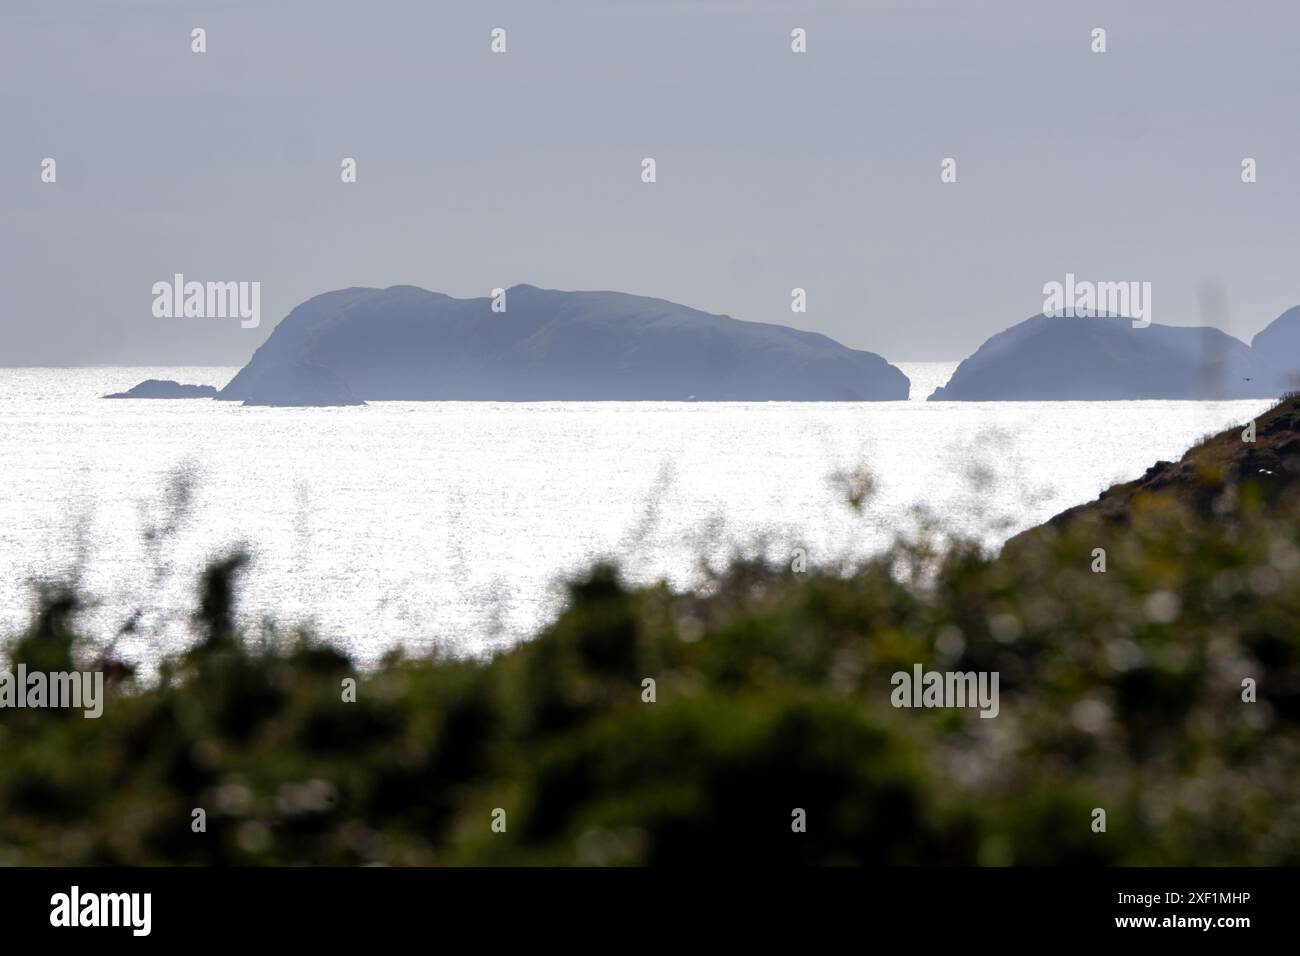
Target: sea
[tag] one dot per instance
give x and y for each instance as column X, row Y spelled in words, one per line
column 453, row 526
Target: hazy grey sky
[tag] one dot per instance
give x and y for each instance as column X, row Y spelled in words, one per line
column 775, row 169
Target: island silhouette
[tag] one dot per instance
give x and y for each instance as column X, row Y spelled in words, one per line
column 527, row 344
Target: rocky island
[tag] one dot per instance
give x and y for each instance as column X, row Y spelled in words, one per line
column 1063, row 358
column 1277, row 351
column 165, row 388
column 408, row 344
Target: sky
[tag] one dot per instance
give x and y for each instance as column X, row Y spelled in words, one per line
column 775, row 170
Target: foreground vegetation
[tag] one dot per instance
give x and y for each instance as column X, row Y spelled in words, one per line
column 1120, row 690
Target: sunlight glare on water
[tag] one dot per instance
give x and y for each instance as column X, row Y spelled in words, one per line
column 450, row 524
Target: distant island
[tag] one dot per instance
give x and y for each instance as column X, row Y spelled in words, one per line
column 404, row 343
column 1059, row 358
column 165, row 388
column 408, row 344
column 1277, row 350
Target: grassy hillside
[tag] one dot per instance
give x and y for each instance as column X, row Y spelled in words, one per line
column 1120, row 690
column 1222, row 475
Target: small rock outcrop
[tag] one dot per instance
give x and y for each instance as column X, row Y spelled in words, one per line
column 165, row 388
